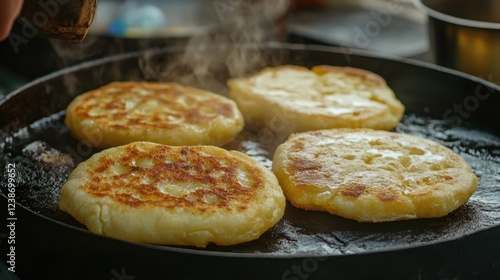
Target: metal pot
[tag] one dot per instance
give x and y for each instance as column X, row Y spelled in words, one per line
column 465, row 35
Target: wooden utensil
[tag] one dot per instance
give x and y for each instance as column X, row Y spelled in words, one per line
column 66, row 20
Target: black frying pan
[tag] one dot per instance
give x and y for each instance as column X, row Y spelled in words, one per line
column 451, row 108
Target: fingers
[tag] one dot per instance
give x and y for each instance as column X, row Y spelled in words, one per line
column 9, row 10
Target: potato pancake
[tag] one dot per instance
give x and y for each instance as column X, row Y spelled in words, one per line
column 372, row 175
column 167, row 113
column 174, row 195
column 293, row 98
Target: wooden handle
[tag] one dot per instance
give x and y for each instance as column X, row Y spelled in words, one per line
column 66, row 20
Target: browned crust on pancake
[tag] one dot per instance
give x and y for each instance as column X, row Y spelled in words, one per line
column 163, row 112
column 179, row 99
column 372, row 176
column 172, row 165
column 174, row 195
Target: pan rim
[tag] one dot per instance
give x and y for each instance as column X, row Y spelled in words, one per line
column 277, row 46
column 258, row 255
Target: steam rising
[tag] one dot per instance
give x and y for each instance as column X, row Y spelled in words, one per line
column 203, row 56
column 204, row 60
column 242, row 24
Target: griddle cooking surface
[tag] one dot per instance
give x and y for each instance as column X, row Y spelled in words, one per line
column 33, row 135
column 45, row 153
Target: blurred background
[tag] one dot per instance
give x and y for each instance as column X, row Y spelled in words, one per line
column 389, row 27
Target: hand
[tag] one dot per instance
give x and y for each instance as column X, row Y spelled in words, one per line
column 9, row 10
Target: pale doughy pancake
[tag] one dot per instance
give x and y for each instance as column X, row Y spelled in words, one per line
column 372, row 175
column 174, row 195
column 293, row 98
column 167, row 113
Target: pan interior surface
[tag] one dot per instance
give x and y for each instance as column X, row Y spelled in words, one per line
column 44, row 154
